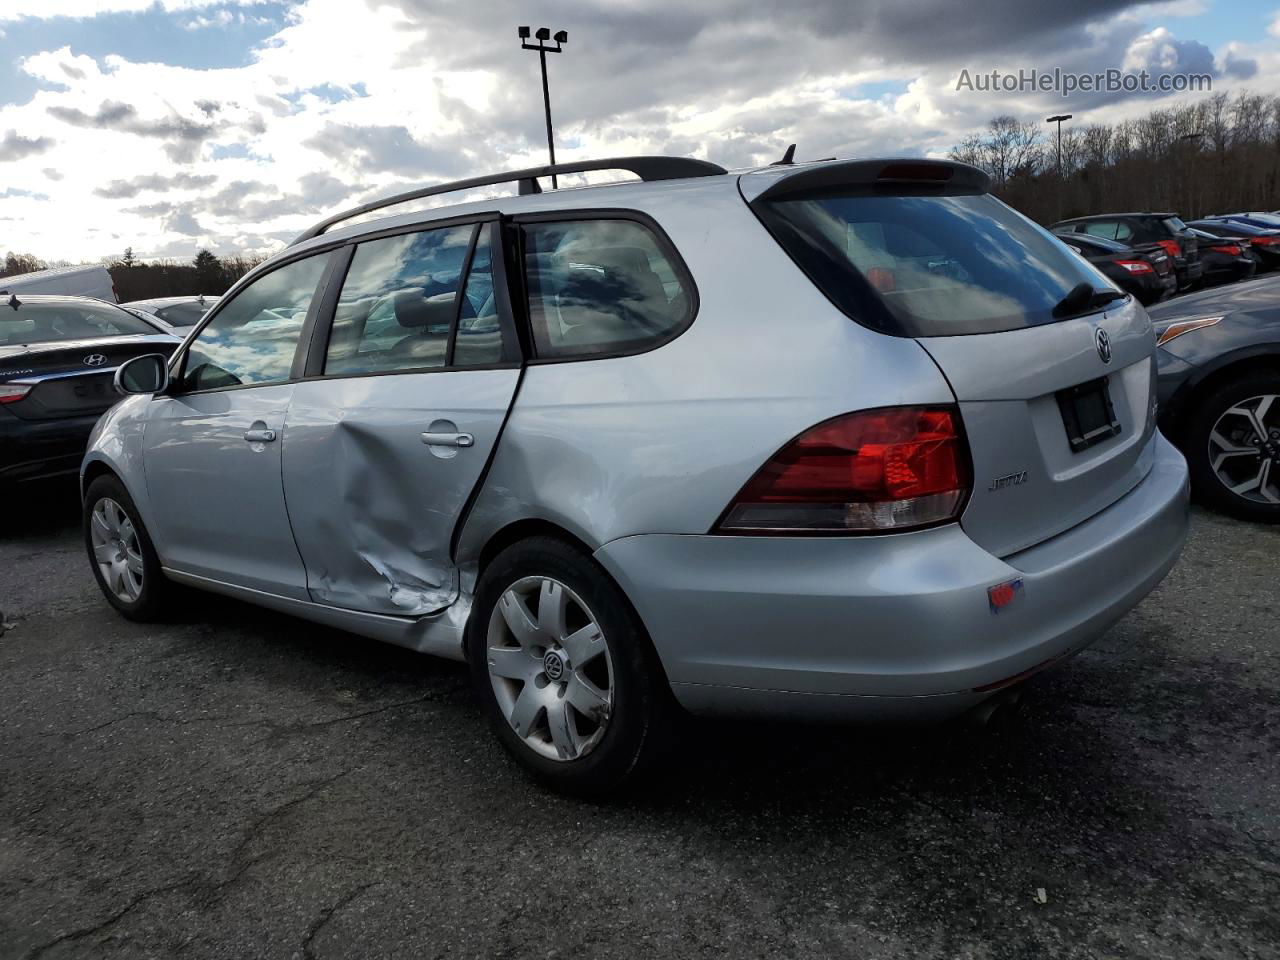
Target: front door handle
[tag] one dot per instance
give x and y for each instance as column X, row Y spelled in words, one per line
column 448, row 439
column 260, row 436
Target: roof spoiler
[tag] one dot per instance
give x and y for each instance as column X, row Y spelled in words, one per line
column 646, row 168
column 897, row 173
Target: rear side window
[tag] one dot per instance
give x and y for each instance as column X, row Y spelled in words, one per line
column 1105, row 229
column 398, row 302
column 929, row 266
column 601, row 287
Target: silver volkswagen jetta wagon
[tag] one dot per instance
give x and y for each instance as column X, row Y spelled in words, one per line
column 848, row 439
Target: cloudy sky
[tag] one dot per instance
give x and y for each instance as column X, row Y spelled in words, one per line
column 166, row 125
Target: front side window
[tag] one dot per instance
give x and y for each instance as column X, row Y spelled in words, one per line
column 398, row 302
column 601, row 286
column 252, row 340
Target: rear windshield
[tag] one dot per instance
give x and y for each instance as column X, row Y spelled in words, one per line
column 929, row 266
column 184, row 314
column 34, row 322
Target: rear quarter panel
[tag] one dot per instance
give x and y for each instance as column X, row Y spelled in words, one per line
column 660, row 442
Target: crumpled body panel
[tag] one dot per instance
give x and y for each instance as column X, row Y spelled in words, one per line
column 372, row 505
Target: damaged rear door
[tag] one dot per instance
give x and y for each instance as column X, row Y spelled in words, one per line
column 407, row 391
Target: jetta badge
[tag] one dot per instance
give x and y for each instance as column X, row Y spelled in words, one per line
column 1103, row 343
column 94, row 360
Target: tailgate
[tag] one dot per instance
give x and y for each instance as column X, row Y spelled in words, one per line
column 1029, row 484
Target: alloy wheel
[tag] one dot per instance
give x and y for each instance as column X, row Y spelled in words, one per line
column 550, row 667
column 1244, row 449
column 116, row 549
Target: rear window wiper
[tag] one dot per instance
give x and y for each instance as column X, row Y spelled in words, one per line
column 1083, row 298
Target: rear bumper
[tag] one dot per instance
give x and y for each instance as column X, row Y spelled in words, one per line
column 894, row 626
column 35, row 449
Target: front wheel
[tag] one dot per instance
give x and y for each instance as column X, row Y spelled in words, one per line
column 1233, row 448
column 565, row 672
column 120, row 552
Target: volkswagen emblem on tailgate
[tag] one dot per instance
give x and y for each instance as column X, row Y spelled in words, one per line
column 94, row 360
column 1103, row 343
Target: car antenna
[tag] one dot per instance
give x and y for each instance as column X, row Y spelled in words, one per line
column 14, row 301
column 788, row 158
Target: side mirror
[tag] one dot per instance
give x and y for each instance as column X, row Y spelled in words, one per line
column 146, row 374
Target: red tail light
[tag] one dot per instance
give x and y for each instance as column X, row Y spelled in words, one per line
column 1231, row 250
column 897, row 468
column 1171, row 247
column 1136, row 266
column 13, row 392
column 1265, row 241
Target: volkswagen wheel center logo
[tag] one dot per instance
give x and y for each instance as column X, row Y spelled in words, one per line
column 94, row 360
column 553, row 665
column 1103, row 343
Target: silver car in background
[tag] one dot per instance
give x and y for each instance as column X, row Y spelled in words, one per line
column 830, row 441
column 177, row 315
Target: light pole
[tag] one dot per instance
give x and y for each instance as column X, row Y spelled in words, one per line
column 542, row 36
column 1058, row 120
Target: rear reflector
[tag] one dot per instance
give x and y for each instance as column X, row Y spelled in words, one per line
column 893, row 469
column 1136, row 266
column 13, row 392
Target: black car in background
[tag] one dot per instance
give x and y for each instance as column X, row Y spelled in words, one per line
column 1225, row 259
column 58, row 357
column 1141, row 230
column 1263, row 242
column 1147, row 275
column 1219, row 393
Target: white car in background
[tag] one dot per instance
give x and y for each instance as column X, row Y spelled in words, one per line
column 86, row 280
column 175, row 314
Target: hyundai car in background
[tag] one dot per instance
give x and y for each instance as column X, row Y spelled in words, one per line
column 1147, row 275
column 1140, row 229
column 58, row 356
column 1219, row 389
column 832, row 440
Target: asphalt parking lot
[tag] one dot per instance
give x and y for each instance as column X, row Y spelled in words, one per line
column 238, row 784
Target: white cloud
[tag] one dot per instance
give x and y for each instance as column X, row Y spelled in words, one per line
column 48, row 9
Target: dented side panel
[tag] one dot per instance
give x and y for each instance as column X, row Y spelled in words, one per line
column 372, row 505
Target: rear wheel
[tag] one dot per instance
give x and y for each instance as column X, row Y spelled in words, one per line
column 564, row 669
column 120, row 552
column 1233, row 447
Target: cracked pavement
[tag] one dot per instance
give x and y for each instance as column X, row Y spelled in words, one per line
column 235, row 783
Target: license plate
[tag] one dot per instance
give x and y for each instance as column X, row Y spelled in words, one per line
column 1087, row 414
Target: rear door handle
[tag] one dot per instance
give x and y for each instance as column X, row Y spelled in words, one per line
column 448, row 439
column 260, row 436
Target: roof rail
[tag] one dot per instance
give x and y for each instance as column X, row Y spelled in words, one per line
column 646, row 168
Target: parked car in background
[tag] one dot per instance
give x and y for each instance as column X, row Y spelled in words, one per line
column 58, row 356
column 1225, row 260
column 1268, row 221
column 1219, row 390
column 1263, row 242
column 83, row 281
column 1147, row 275
column 840, row 439
column 177, row 314
column 1140, row 229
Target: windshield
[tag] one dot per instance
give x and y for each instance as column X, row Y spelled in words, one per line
column 184, row 314
column 929, row 266
column 37, row 322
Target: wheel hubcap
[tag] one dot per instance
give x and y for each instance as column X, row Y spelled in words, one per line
column 550, row 668
column 1244, row 449
column 116, row 550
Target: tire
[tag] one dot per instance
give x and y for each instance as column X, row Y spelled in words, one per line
column 595, row 749
column 1213, row 419
column 138, row 596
